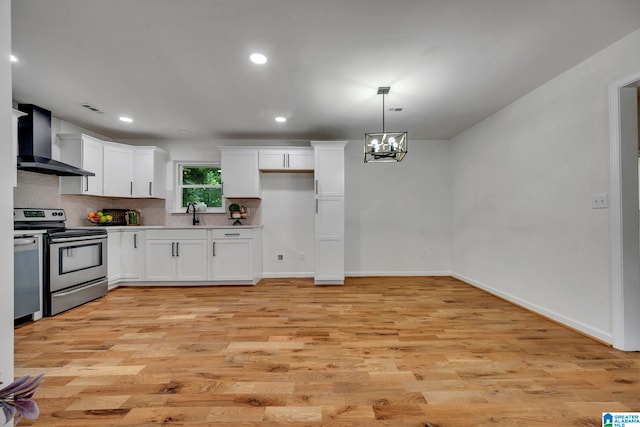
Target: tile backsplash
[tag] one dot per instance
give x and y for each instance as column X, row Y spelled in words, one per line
column 36, row 190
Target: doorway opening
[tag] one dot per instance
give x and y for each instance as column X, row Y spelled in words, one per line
column 625, row 229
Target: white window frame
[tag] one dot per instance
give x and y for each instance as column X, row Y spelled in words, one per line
column 178, row 185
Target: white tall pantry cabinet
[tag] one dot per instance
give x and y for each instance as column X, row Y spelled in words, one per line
column 329, row 217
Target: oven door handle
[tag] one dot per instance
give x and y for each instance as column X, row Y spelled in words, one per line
column 76, row 239
column 24, row 242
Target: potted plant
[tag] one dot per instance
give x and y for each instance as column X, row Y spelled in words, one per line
column 234, row 210
column 16, row 397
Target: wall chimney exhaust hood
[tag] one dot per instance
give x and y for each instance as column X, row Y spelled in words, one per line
column 34, row 144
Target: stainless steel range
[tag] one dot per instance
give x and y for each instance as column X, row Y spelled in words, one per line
column 74, row 260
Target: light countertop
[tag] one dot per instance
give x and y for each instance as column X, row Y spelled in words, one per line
column 172, row 227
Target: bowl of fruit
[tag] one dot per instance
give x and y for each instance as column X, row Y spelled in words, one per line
column 99, row 218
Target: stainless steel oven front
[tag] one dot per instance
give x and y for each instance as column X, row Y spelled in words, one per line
column 76, row 260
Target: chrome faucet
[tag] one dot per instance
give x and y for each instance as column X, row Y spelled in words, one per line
column 196, row 221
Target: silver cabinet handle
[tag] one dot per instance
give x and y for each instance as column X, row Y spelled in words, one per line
column 135, row 241
column 232, row 234
column 177, row 248
column 222, row 188
column 213, row 249
column 131, row 188
column 316, row 186
column 173, row 248
column 284, row 160
column 86, row 188
column 150, row 188
column 316, row 205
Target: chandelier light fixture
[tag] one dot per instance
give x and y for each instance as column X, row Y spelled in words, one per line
column 384, row 146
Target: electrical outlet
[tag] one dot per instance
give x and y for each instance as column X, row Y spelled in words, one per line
column 599, row 201
column 301, row 255
column 280, row 257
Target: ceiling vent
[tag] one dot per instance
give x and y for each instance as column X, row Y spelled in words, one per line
column 92, row 108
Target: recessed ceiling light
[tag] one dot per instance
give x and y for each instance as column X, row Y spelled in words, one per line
column 281, row 119
column 13, row 58
column 126, row 119
column 258, row 58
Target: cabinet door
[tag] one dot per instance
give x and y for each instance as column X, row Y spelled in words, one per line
column 330, row 217
column 114, row 267
column 92, row 160
column 132, row 255
column 85, row 152
column 300, row 160
column 160, row 260
column 329, row 171
column 231, row 259
column 16, row 114
column 240, row 175
column 191, row 258
column 272, row 159
column 142, row 173
column 329, row 261
column 118, row 170
column 329, row 231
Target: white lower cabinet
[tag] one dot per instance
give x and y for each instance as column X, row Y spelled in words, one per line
column 231, row 257
column 132, row 255
column 173, row 255
column 221, row 256
column 114, row 265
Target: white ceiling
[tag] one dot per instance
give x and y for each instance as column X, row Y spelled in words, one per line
column 182, row 64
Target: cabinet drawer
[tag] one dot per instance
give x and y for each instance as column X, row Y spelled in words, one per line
column 180, row 234
column 230, row 233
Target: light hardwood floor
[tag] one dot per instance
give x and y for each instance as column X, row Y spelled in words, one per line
column 374, row 352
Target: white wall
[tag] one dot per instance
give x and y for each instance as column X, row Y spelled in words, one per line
column 522, row 186
column 7, row 168
column 394, row 211
column 288, row 218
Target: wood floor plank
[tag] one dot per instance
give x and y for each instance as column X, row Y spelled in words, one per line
column 398, row 351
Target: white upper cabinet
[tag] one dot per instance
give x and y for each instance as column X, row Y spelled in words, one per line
column 85, row 152
column 240, row 174
column 329, row 168
column 16, row 114
column 149, row 172
column 118, row 170
column 286, row 160
column 131, row 171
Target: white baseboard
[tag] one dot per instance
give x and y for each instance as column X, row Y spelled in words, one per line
column 567, row 321
column 395, row 273
column 287, row 275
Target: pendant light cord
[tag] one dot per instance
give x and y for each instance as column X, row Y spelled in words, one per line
column 383, row 113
